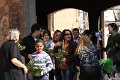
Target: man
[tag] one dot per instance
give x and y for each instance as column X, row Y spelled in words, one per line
column 75, row 33
column 29, row 42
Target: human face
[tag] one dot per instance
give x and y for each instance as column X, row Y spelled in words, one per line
column 37, row 33
column 57, row 36
column 41, row 31
column 39, row 47
column 17, row 38
column 75, row 34
column 46, row 37
column 67, row 36
column 110, row 29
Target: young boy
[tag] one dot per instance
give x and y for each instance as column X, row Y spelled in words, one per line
column 43, row 60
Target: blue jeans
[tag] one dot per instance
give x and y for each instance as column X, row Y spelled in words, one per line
column 67, row 74
column 29, row 77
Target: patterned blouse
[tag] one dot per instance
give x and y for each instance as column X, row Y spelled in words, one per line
column 88, row 56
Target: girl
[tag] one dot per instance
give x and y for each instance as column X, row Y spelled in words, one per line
column 48, row 47
column 43, row 60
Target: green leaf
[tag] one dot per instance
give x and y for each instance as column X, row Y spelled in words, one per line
column 33, row 69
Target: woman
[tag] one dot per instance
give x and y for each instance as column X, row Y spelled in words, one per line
column 58, row 43
column 56, row 36
column 89, row 66
column 11, row 65
column 48, row 42
column 48, row 48
column 68, row 68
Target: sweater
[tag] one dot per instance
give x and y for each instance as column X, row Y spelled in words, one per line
column 43, row 60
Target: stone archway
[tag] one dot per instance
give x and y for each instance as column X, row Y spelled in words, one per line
column 22, row 13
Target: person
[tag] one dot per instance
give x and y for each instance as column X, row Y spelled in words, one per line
column 43, row 60
column 29, row 42
column 48, row 47
column 11, row 67
column 91, row 36
column 113, row 46
column 75, row 33
column 56, row 36
column 88, row 33
column 58, row 43
column 42, row 29
column 89, row 65
column 48, row 42
column 68, row 67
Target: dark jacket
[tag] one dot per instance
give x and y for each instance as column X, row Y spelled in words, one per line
column 29, row 44
column 8, row 71
column 71, row 53
column 113, row 47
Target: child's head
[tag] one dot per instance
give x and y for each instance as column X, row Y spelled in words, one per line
column 39, row 45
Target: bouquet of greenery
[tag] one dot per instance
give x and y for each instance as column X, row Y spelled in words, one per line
column 47, row 49
column 59, row 56
column 32, row 68
column 20, row 47
column 62, row 53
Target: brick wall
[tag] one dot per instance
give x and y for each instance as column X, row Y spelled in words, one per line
column 11, row 16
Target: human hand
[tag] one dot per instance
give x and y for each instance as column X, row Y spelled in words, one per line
column 64, row 60
column 25, row 70
column 77, row 69
column 30, row 56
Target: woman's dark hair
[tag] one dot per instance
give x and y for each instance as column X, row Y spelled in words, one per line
column 63, row 34
column 47, row 32
column 54, row 35
column 87, row 32
column 93, row 37
column 114, row 26
column 34, row 27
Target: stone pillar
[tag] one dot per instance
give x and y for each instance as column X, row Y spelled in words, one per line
column 30, row 14
column 104, row 42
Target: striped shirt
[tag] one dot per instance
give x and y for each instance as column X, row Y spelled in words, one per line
column 43, row 60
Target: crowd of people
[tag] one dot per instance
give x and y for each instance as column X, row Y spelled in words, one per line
column 59, row 57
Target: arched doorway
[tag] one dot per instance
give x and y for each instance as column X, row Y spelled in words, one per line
column 68, row 18
column 110, row 15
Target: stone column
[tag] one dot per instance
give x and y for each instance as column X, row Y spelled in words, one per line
column 104, row 42
column 30, row 14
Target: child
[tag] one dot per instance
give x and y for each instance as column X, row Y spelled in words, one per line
column 43, row 60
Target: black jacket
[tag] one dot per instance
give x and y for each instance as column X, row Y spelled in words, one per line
column 29, row 44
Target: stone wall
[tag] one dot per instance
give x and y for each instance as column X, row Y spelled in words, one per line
column 11, row 16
